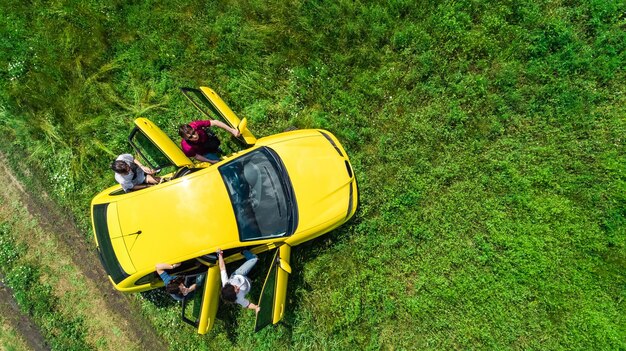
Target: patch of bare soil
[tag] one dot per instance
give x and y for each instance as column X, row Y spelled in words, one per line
column 84, row 258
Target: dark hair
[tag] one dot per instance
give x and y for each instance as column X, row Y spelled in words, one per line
column 119, row 166
column 172, row 286
column 185, row 130
column 228, row 293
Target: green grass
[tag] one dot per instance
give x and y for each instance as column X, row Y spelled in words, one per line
column 488, row 141
column 35, row 295
column 11, row 339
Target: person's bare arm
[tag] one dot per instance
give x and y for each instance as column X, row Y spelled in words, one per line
column 204, row 159
column 220, row 259
column 161, row 267
column 187, row 290
column 254, row 307
column 147, row 170
column 227, row 128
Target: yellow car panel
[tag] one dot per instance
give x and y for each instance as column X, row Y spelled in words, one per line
column 201, row 218
column 322, row 181
column 225, row 112
column 210, row 299
column 215, row 103
column 167, row 146
column 284, row 253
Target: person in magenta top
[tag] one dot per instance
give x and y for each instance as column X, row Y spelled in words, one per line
column 196, row 143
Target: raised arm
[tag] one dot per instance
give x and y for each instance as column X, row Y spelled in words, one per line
column 220, row 259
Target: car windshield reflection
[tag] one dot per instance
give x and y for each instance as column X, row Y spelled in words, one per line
column 261, row 195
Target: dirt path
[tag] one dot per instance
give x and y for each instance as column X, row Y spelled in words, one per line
column 84, row 258
column 22, row 324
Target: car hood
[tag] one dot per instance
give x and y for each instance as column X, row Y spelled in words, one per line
column 193, row 212
column 320, row 176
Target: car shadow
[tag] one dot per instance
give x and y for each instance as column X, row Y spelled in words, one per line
column 302, row 254
column 159, row 297
column 227, row 313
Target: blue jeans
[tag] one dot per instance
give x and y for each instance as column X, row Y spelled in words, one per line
column 246, row 267
column 212, row 156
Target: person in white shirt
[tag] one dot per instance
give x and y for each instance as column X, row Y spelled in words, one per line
column 131, row 174
column 237, row 286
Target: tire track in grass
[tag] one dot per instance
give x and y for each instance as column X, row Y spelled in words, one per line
column 126, row 312
column 20, row 322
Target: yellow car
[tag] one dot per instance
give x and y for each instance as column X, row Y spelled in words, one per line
column 278, row 192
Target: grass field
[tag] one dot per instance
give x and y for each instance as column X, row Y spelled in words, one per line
column 487, row 139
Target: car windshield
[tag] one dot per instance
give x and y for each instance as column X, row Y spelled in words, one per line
column 261, row 194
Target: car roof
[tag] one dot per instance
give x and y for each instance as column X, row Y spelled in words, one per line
column 178, row 220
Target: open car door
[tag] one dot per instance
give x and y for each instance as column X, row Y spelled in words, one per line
column 274, row 293
column 155, row 147
column 200, row 310
column 208, row 102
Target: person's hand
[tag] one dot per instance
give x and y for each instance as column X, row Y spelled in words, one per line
column 254, row 307
column 147, row 170
column 219, row 252
column 184, row 290
column 235, row 132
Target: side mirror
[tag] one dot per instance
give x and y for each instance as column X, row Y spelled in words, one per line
column 248, row 138
column 243, row 125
